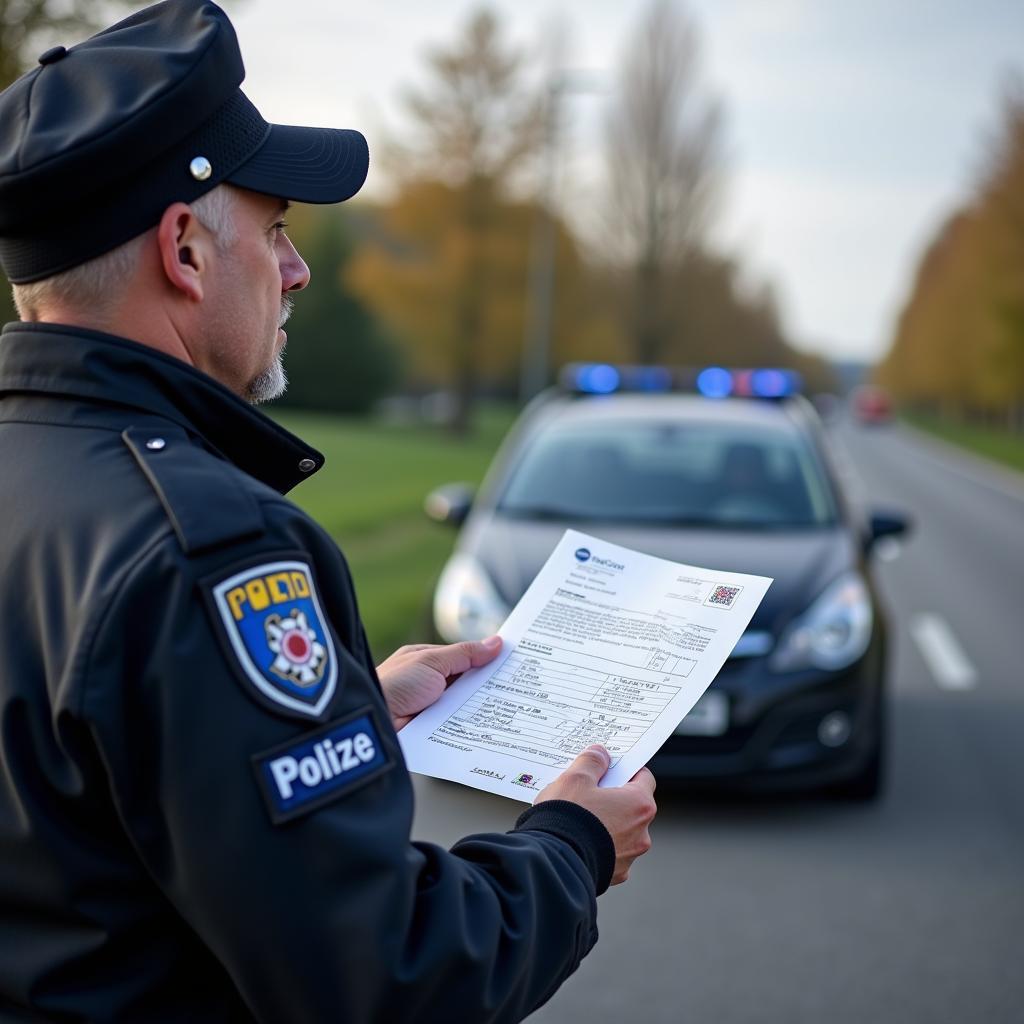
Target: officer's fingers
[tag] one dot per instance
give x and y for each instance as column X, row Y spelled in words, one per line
column 592, row 762
column 645, row 780
column 412, row 649
column 483, row 651
column 398, row 658
column 456, row 658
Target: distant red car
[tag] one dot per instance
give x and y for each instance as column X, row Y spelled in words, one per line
column 871, row 405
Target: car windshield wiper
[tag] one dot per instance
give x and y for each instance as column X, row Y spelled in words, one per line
column 750, row 526
column 549, row 512
column 630, row 517
column 553, row 513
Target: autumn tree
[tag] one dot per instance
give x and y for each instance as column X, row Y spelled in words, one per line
column 410, row 268
column 663, row 162
column 1003, row 199
column 339, row 357
column 728, row 323
column 959, row 343
column 475, row 123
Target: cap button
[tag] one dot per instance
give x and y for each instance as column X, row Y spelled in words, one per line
column 52, row 55
column 200, row 168
column 307, row 466
column 156, row 444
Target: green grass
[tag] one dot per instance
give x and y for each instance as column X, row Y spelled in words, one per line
column 998, row 445
column 369, row 496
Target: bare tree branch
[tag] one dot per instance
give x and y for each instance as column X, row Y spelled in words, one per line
column 663, row 161
column 474, row 118
column 476, row 122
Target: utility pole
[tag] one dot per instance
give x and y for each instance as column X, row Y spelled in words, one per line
column 537, row 341
column 535, row 366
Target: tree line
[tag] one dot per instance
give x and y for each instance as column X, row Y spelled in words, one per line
column 446, row 284
column 958, row 349
column 446, row 264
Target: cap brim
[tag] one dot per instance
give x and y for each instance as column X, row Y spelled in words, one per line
column 307, row 165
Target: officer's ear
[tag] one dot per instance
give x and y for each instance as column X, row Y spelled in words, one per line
column 185, row 250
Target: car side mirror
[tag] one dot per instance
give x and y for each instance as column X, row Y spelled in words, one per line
column 886, row 523
column 449, row 504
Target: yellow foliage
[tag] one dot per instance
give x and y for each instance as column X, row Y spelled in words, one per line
column 959, row 343
column 428, row 265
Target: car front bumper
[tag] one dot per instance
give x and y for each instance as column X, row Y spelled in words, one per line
column 773, row 739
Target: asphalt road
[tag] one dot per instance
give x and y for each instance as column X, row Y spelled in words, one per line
column 802, row 910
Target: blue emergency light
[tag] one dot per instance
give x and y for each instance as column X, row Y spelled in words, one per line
column 711, row 382
column 596, row 379
column 715, row 382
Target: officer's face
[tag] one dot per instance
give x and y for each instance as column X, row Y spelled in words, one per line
column 249, row 299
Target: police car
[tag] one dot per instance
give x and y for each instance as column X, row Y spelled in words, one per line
column 725, row 469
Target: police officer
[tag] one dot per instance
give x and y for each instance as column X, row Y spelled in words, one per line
column 204, row 813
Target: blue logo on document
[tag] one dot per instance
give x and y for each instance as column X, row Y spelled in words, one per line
column 583, row 554
column 320, row 766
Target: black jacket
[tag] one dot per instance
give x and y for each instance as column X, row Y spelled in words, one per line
column 204, row 812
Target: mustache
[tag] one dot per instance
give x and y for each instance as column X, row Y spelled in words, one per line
column 287, row 306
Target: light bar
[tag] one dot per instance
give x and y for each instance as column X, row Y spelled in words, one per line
column 711, row 382
column 603, row 378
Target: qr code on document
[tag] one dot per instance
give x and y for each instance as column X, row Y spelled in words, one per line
column 723, row 597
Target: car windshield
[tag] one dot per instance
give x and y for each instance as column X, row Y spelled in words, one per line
column 715, row 475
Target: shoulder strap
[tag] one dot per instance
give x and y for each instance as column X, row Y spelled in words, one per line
column 203, row 496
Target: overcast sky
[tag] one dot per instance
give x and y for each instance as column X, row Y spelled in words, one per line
column 851, row 130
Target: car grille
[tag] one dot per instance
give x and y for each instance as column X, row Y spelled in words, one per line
column 708, row 746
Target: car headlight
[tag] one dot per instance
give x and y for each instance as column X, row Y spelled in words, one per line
column 833, row 633
column 466, row 604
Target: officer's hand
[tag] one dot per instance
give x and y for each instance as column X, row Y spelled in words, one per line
column 417, row 674
column 626, row 811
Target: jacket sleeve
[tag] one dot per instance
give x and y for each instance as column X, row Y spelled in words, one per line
column 331, row 913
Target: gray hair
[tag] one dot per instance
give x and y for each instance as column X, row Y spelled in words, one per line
column 93, row 285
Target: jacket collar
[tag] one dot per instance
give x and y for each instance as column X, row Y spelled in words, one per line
column 74, row 362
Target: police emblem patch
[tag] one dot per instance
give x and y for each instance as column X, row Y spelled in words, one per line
column 278, row 636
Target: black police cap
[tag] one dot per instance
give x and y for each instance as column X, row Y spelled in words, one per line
column 99, row 139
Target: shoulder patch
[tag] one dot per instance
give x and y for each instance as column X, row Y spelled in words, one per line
column 320, row 766
column 199, row 492
column 276, row 635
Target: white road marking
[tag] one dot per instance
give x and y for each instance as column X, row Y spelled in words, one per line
column 942, row 652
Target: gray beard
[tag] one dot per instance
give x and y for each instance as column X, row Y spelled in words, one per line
column 273, row 381
column 268, row 385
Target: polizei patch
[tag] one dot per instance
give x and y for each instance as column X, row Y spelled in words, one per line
column 320, row 766
column 277, row 635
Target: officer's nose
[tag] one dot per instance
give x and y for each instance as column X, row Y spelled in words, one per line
column 294, row 272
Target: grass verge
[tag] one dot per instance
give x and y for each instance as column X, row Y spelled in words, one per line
column 997, row 445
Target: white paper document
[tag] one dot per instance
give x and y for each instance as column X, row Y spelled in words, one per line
column 607, row 646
